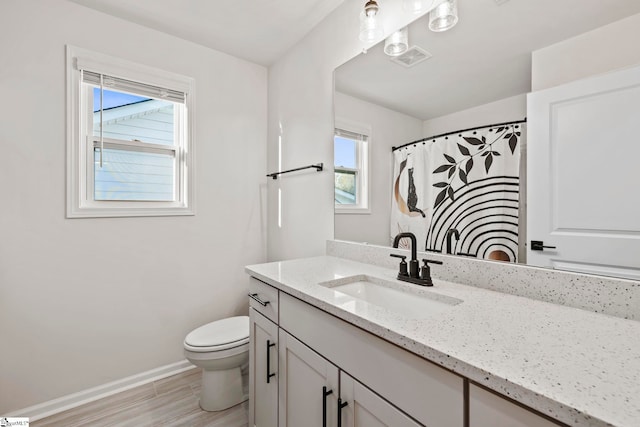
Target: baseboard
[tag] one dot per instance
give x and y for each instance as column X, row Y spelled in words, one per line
column 74, row 400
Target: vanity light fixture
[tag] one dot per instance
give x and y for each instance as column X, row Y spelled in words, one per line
column 444, row 16
column 370, row 27
column 417, row 6
column 397, row 43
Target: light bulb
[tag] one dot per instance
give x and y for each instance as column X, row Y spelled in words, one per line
column 444, row 16
column 371, row 8
column 397, row 43
column 370, row 27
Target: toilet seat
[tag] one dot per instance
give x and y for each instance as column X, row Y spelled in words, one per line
column 220, row 335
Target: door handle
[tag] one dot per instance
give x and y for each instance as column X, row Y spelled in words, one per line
column 258, row 300
column 341, row 405
column 325, row 393
column 538, row 245
column 269, row 345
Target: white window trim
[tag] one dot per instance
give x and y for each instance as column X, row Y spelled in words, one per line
column 363, row 206
column 78, row 177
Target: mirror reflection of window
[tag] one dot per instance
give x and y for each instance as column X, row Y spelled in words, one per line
column 346, row 158
column 350, row 153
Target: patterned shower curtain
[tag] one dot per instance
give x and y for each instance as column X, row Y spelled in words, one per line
column 465, row 184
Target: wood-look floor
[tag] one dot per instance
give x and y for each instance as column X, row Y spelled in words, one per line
column 171, row 401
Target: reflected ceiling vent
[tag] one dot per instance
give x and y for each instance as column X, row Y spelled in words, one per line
column 411, row 57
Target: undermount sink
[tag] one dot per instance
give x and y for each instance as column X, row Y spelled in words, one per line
column 410, row 302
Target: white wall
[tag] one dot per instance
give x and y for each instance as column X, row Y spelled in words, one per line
column 88, row 301
column 607, row 48
column 504, row 110
column 300, row 205
column 388, row 128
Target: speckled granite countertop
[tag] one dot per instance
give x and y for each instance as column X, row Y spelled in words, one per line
column 579, row 367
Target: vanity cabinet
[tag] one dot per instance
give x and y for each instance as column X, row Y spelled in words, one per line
column 489, row 410
column 366, row 409
column 263, row 367
column 429, row 394
column 309, row 396
column 308, row 386
column 263, row 355
column 264, row 299
column 312, row 369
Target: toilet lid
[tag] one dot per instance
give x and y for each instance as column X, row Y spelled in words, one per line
column 220, row 333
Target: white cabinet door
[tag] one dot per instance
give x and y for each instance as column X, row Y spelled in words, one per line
column 363, row 408
column 488, row 410
column 263, row 368
column 308, row 386
column 582, row 174
column 430, row 394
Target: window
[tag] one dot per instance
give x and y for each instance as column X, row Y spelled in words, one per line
column 351, row 171
column 130, row 149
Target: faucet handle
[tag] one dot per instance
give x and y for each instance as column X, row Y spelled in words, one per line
column 403, row 264
column 425, row 271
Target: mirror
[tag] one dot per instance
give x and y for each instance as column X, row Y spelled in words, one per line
column 476, row 74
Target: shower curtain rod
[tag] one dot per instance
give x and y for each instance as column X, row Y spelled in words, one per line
column 458, row 131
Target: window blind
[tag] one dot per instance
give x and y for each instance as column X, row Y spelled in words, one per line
column 350, row 135
column 129, row 86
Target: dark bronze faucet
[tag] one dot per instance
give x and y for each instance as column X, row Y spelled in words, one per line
column 413, row 264
column 423, row 277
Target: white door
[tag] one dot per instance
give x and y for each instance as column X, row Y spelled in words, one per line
column 363, row 408
column 308, row 386
column 583, row 171
column 263, row 368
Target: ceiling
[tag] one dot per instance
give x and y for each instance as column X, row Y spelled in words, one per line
column 486, row 57
column 259, row 31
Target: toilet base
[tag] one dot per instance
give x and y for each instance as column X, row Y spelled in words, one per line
column 222, row 389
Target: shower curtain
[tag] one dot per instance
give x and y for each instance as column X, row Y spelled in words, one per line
column 465, row 184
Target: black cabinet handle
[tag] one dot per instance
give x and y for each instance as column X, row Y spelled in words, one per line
column 325, row 393
column 258, row 300
column 538, row 245
column 341, row 405
column 269, row 345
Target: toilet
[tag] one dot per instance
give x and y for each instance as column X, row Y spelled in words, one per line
column 221, row 349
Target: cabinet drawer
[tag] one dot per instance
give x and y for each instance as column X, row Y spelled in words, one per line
column 264, row 299
column 428, row 393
